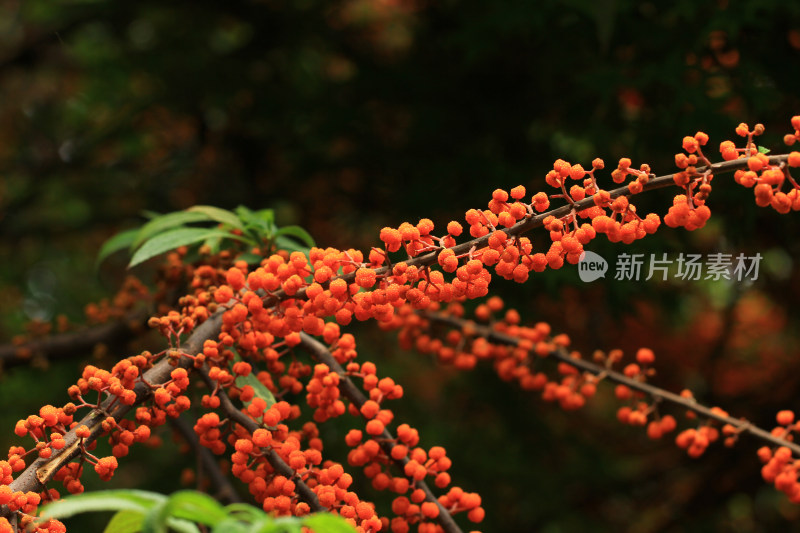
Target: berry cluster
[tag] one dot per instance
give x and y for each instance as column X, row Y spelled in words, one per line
column 518, row 353
column 241, row 328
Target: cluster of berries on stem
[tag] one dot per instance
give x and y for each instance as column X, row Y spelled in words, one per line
column 241, row 326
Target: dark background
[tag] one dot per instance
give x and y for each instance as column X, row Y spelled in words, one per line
column 351, row 115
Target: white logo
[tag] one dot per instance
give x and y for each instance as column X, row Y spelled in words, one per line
column 591, row 266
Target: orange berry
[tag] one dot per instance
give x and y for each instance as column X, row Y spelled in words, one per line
column 235, row 278
column 755, row 164
column 375, row 427
column 668, row 423
column 518, row 192
column 476, row 515
column 764, row 454
column 454, row 228
column 429, row 510
column 499, row 195
column 690, row 144
column 654, row 430
column 645, row 356
column 742, row 130
column 370, row 409
column 365, row 277
column 622, row 392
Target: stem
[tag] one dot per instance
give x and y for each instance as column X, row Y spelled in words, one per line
column 530, row 222
column 658, row 394
column 386, row 440
column 303, row 491
column 41, row 471
column 207, row 463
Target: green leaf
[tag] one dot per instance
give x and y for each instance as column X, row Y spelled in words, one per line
column 196, row 506
column 220, row 215
column 285, row 243
column 244, row 512
column 259, row 224
column 155, row 521
column 182, row 526
column 120, row 241
column 229, row 525
column 260, row 391
column 107, row 500
column 327, row 523
column 763, row 150
column 172, row 239
column 285, row 524
column 125, row 522
column 250, row 258
column 166, row 222
column 297, row 232
column 161, row 520
column 262, row 216
column 213, row 244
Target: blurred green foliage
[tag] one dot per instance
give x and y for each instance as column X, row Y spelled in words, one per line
column 350, row 115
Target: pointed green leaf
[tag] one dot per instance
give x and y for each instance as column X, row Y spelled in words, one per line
column 763, row 150
column 181, row 526
column 327, row 523
column 155, row 521
column 260, row 391
column 160, row 519
column 220, row 215
column 196, row 506
column 244, row 511
column 107, row 500
column 166, row 222
column 298, row 233
column 172, row 239
column 267, row 215
column 262, row 216
column 125, row 522
column 258, row 388
column 291, row 524
column 229, row 525
column 120, row 241
column 250, row 258
column 259, row 224
column 290, row 245
column 213, row 243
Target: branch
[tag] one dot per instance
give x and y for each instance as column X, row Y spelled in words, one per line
column 534, row 221
column 387, row 440
column 74, row 343
column 41, row 471
column 225, row 491
column 303, row 491
column 741, row 426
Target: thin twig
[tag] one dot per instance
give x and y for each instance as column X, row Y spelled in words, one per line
column 224, row 490
column 303, row 491
column 74, row 343
column 533, row 221
column 41, row 471
column 387, row 441
column 741, row 425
